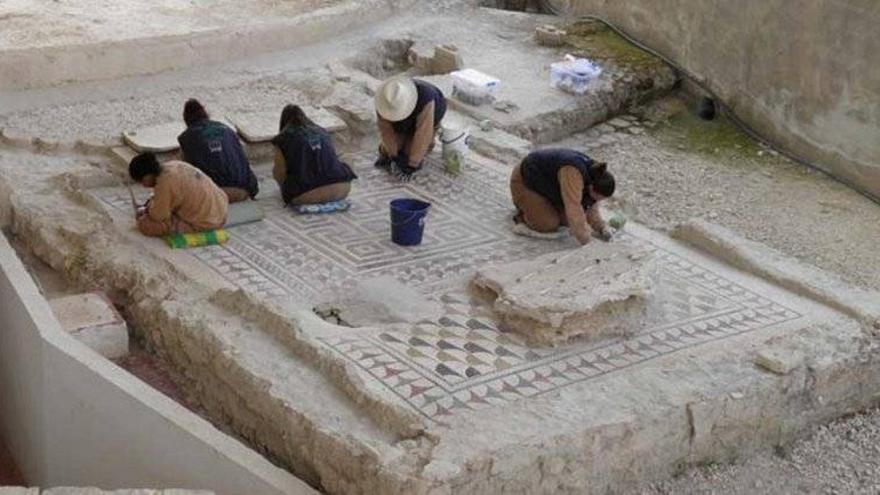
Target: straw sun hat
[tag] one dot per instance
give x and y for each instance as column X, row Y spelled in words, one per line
column 396, row 98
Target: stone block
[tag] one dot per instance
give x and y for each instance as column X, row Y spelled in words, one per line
column 619, row 123
column 421, row 57
column 781, row 361
column 158, row 138
column 500, row 145
column 597, row 291
column 92, row 319
column 548, row 35
column 447, row 59
column 123, row 154
column 260, row 127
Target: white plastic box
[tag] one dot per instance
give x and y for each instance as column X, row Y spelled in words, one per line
column 473, row 87
column 574, row 75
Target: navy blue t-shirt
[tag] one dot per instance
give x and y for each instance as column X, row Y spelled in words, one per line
column 214, row 148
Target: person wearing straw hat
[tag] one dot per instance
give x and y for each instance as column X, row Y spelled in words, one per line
column 409, row 114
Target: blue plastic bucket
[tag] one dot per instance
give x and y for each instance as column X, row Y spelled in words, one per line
column 408, row 221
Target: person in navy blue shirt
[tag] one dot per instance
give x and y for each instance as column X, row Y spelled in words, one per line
column 214, row 148
column 553, row 187
column 307, row 168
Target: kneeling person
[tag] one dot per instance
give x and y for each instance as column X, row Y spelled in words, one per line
column 307, row 168
column 409, row 113
column 554, row 187
column 184, row 199
column 214, row 148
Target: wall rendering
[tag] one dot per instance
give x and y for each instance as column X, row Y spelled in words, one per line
column 804, row 74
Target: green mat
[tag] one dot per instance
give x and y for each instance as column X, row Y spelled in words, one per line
column 197, row 239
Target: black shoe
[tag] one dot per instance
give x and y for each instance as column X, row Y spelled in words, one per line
column 384, row 163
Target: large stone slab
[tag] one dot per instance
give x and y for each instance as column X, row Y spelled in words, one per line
column 92, row 319
column 596, row 291
column 157, row 139
column 258, row 127
column 160, row 138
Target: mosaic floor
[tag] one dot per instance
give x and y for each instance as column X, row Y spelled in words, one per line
column 463, row 361
column 308, row 255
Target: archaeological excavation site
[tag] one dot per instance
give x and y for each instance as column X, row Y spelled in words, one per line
column 415, row 247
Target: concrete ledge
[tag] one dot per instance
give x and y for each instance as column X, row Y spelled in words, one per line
column 761, row 260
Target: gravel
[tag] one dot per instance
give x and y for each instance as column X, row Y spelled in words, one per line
column 668, row 175
column 840, row 458
column 663, row 181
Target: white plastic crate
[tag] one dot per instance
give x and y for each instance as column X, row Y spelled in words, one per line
column 473, row 87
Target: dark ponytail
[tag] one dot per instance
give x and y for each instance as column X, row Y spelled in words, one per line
column 603, row 181
column 294, row 116
column 193, row 111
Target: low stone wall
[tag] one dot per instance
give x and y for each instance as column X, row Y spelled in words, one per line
column 798, row 73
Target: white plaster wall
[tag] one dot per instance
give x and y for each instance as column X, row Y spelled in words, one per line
column 70, row 417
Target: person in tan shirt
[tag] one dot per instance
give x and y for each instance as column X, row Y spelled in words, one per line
column 184, row 198
column 555, row 187
column 409, row 113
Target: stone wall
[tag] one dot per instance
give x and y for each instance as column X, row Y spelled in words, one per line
column 802, row 74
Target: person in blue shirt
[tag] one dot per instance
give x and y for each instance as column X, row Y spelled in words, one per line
column 307, row 168
column 214, row 148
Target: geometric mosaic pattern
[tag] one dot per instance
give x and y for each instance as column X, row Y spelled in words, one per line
column 305, row 255
column 461, row 362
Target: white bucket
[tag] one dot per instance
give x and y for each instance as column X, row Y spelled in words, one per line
column 455, row 148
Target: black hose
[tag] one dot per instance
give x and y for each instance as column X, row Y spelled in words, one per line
column 549, row 7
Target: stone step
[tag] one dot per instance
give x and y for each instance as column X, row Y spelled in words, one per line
column 92, row 319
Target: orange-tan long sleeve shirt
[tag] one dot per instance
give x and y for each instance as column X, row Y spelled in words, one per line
column 571, row 185
column 184, row 191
